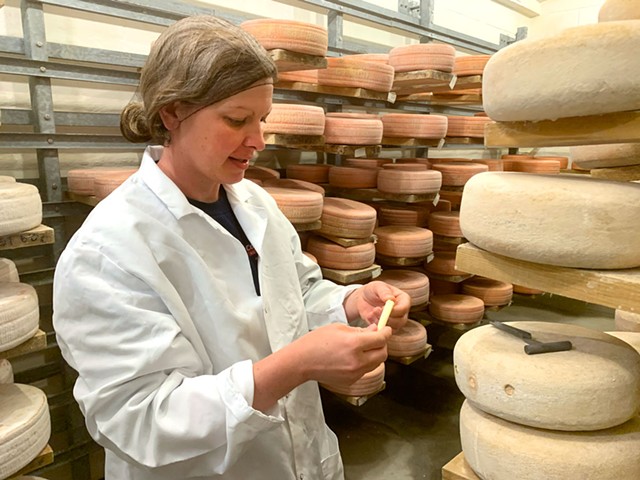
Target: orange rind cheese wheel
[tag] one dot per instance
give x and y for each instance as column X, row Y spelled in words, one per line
column 299, row 206
column 446, row 224
column 81, row 180
column 408, row 125
column 457, row 174
column 409, row 340
column 304, row 76
column 409, row 182
column 470, row 64
column 347, row 72
column 293, row 183
column 403, row 242
column 261, row 173
column 294, row 119
column 415, row 284
column 535, row 165
column 491, row 292
column 289, row 35
column 366, row 162
column 456, row 308
column 403, row 215
column 353, row 177
column 443, row 263
column 346, row 218
column 424, row 56
column 309, row 172
column 105, row 183
column 352, row 130
column 332, row 255
column 466, row 126
column 369, row 383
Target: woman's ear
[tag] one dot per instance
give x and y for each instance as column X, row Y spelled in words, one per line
column 169, row 116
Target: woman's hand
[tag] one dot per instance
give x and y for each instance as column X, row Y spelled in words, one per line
column 368, row 301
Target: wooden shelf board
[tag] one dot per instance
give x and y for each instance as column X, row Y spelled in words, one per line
column 468, row 81
column 441, row 99
column 349, row 242
column 357, row 401
column 306, row 227
column 34, row 344
column 464, row 141
column 422, row 81
column 372, row 194
column 403, row 261
column 44, row 458
column 293, row 140
column 458, row 469
column 620, row 127
column 353, row 92
column 354, row 151
column 40, row 235
column 620, row 174
column 413, row 358
column 346, row 277
column 412, row 142
column 90, row 200
column 618, row 289
column 288, row 61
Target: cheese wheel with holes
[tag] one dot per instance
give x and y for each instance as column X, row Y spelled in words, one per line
column 632, row 338
column 289, row 35
column 409, row 182
column 348, row 72
column 614, row 10
column 20, row 207
column 627, row 321
column 332, row 255
column 309, row 172
column 424, row 56
column 500, row 450
column 604, row 156
column 594, row 385
column 8, row 271
column 291, row 119
column 25, row 428
column 344, row 129
column 403, row 242
column 491, row 292
column 557, row 76
column 533, row 217
column 456, row 308
column 415, row 284
column 6, row 371
column 353, row 177
column 346, row 218
column 371, row 382
column 414, row 125
column 19, row 314
column 470, row 64
column 409, row 340
column 299, row 206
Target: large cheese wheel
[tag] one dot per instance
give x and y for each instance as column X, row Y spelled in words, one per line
column 632, row 338
column 294, row 119
column 565, row 75
column 332, row 255
column 627, row 321
column 6, row 371
column 613, row 10
column 345, row 129
column 346, row 218
column 399, row 181
column 415, row 284
column 604, row 156
column 288, row 35
column 347, row 72
column 424, row 56
column 299, row 206
column 533, row 217
column 403, row 242
column 20, row 207
column 353, row 177
column 500, row 450
column 409, row 340
column 7, row 179
column 309, row 172
column 19, row 314
column 595, row 385
column 414, row 125
column 25, row 426
column 8, row 271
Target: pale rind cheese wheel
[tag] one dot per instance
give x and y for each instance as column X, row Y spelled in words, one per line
column 613, row 10
column 20, row 207
column 6, row 371
column 409, row 340
column 309, row 172
column 403, row 242
column 25, row 427
column 632, row 338
column 332, row 255
column 289, row 35
column 7, row 179
column 414, row 125
column 604, row 156
column 346, row 218
column 399, row 181
column 415, row 284
column 533, row 217
column 353, row 177
column 424, row 56
column 292, row 119
column 19, row 314
column 565, row 75
column 299, row 206
column 500, row 450
column 348, row 72
column 8, row 271
column 594, row 385
column 369, row 383
column 627, row 321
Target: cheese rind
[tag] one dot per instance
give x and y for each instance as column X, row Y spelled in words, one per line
column 6, row 371
column 613, row 10
column 20, row 207
column 19, row 314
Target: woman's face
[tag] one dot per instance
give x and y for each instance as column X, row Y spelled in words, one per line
column 213, row 145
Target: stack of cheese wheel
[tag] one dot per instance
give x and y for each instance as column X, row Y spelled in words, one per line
column 19, row 314
column 605, row 156
column 105, row 183
column 403, row 245
column 466, row 65
column 408, row 341
column 366, row 162
column 332, row 255
column 446, row 231
column 510, row 160
column 20, row 207
column 424, row 56
column 552, row 66
column 370, row 383
column 293, row 119
column 345, row 128
column 627, row 321
column 564, row 161
column 536, row 165
column 415, row 284
column 353, row 177
column 289, row 35
column 614, row 10
column 309, row 172
column 443, row 264
column 571, row 414
column 354, row 73
column 632, row 338
column 409, row 182
column 8, row 271
column 466, row 126
column 414, row 125
column 493, row 293
column 533, row 218
column 456, row 308
column 293, row 184
column 300, row 206
column 6, row 371
column 344, row 218
column 406, row 215
column 26, row 426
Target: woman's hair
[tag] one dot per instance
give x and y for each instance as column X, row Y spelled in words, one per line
column 198, row 61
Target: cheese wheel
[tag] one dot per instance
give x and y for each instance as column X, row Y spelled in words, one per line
column 632, row 338
column 613, row 10
column 415, row 284
column 414, row 125
column 536, row 165
column 627, row 321
column 533, row 217
column 261, row 173
column 299, row 206
column 604, row 156
column 348, row 130
column 454, row 197
column 294, row 119
column 409, row 340
column 104, row 184
column 443, row 287
column 411, row 167
column 522, row 290
column 456, row 308
column 443, row 263
column 369, row 383
column 593, row 386
column 423, row 56
column 366, row 162
column 406, row 215
column 446, row 224
column 491, row 292
column 309, row 172
column 290, row 35
column 466, row 126
column 353, row 177
column 312, row 257
column 470, row 64
column 332, row 255
column 370, row 57
column 20, row 207
column 8, row 271
column 564, row 161
column 556, row 76
column 399, row 181
column 456, row 174
column 81, row 180
column 493, row 164
column 348, row 72
column 294, row 184
column 6, row 371
column 25, row 427
column 423, row 161
column 500, row 450
column 346, row 218
column 7, row 179
column 403, row 242
column 19, row 314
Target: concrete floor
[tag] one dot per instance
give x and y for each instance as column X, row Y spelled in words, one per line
column 410, row 430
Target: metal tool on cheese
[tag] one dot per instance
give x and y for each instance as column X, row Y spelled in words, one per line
column 533, row 346
column 384, row 316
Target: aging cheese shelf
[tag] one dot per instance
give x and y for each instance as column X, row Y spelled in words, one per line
column 40, row 235
column 618, row 289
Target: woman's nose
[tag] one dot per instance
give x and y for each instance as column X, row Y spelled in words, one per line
column 255, row 137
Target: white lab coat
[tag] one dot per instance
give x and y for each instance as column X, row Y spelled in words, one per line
column 154, row 306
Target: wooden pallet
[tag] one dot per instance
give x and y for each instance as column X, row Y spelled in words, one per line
column 412, row 142
column 288, row 61
column 357, row 401
column 293, row 141
column 413, row 358
column 44, row 458
column 40, row 235
column 307, row 227
column 458, row 469
column 620, row 174
column 406, row 83
column 349, row 242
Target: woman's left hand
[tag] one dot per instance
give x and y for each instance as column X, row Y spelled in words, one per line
column 368, row 301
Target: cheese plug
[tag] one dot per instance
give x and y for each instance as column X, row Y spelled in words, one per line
column 384, row 316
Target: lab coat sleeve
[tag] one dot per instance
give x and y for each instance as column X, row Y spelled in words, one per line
column 141, row 385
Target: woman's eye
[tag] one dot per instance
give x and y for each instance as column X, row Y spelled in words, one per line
column 236, row 122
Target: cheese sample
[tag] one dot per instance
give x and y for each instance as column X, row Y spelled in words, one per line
column 560, row 220
column 605, row 156
column 8, row 271
column 292, row 119
column 25, row 427
column 19, row 314
column 6, row 371
column 594, row 385
column 20, row 207
column 290, row 35
column 627, row 321
column 500, row 450
column 613, row 10
column 565, row 75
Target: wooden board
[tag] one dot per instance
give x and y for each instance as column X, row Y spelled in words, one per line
column 44, row 458
column 458, row 469
column 464, row 141
column 347, row 277
column 403, row 261
column 349, row 242
column 288, row 61
column 40, row 235
column 618, row 289
column 426, row 319
column 620, row 174
column 413, row 358
column 441, row 99
column 621, row 127
column 307, row 227
column 412, row 142
column 293, row 140
column 354, row 92
column 90, row 200
column 372, row 194
column 358, row 401
column 34, row 344
column 422, row 81
column 468, row 81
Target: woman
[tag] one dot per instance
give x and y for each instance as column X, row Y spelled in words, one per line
column 198, row 327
